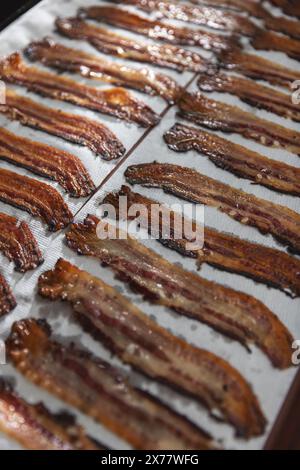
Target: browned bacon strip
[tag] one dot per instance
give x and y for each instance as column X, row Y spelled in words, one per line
column 35, row 197
column 267, row 217
column 108, row 42
column 290, row 7
column 18, row 244
column 115, row 101
column 47, row 161
column 7, row 300
column 270, row 41
column 258, row 68
column 221, row 250
column 282, row 25
column 251, row 92
column 104, row 393
column 71, row 127
column 64, row 58
column 202, row 15
column 141, row 342
column 236, row 315
column 36, row 428
column 252, row 7
column 157, row 29
column 235, row 158
column 224, row 117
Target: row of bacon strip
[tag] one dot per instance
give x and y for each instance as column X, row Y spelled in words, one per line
column 248, row 420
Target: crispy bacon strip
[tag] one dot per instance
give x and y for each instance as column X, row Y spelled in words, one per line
column 251, row 92
column 116, row 102
column 36, row 428
column 47, row 161
column 258, row 68
column 18, row 244
column 221, row 250
column 202, row 15
column 71, row 127
column 282, row 25
column 224, row 117
column 103, row 393
column 267, row 217
column 235, row 158
column 108, row 42
column 141, row 342
column 7, row 300
column 64, row 58
column 35, row 197
column 157, row 29
column 290, row 7
column 235, row 314
column 270, row 41
column 252, row 7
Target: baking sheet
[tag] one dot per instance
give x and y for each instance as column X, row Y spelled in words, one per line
column 270, row 385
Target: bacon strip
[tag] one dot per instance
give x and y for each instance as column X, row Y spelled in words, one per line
column 290, row 7
column 224, row 117
column 35, row 197
column 258, row 68
column 36, row 428
column 108, row 42
column 7, row 300
column 221, row 250
column 252, row 7
column 71, row 127
column 47, row 161
column 235, row 158
column 18, row 244
column 255, row 94
column 270, row 41
column 267, row 217
column 282, row 25
column 116, row 102
column 234, row 314
column 64, row 58
column 201, row 15
column 157, row 29
column 142, row 343
column 103, row 393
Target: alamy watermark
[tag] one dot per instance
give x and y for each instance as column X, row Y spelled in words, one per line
column 178, row 221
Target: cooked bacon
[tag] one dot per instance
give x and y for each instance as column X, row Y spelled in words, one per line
column 235, row 158
column 36, row 428
column 267, row 217
column 202, row 15
column 270, row 41
column 252, row 7
column 259, row 68
column 234, row 314
column 290, row 7
column 282, row 25
column 142, row 343
column 72, row 60
column 157, row 29
column 232, row 119
column 47, row 161
column 7, row 300
column 116, row 102
column 104, row 393
column 221, row 250
column 251, row 92
column 35, row 197
column 108, row 42
column 71, row 127
column 18, row 244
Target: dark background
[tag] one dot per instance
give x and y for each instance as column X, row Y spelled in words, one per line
column 10, row 9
